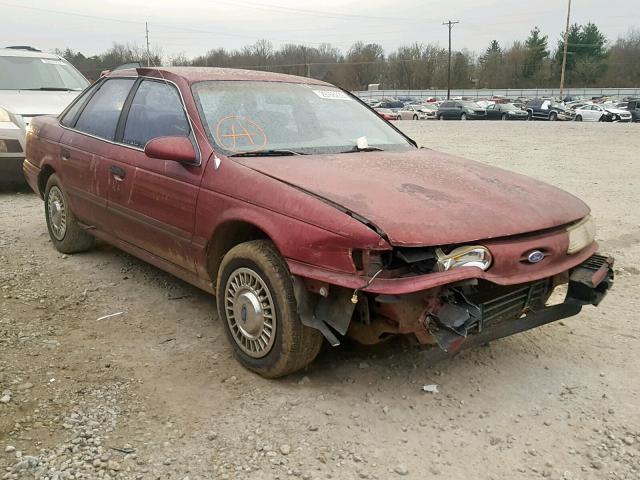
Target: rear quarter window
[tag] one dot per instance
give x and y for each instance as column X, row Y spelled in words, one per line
column 68, row 118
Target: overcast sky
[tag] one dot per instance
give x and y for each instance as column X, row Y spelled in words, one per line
column 195, row 26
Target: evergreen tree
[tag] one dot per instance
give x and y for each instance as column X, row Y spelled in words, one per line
column 536, row 45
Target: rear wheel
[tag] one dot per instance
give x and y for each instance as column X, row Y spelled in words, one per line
column 415, row 117
column 505, row 116
column 440, row 117
column 463, row 116
column 66, row 233
column 258, row 308
column 529, row 115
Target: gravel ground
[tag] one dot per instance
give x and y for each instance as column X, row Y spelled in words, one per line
column 153, row 393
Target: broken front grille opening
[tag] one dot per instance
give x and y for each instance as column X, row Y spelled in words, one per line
column 448, row 315
column 470, row 309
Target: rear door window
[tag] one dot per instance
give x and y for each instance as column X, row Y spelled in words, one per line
column 100, row 116
column 156, row 111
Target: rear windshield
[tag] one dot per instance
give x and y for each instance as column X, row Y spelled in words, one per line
column 246, row 116
column 30, row 73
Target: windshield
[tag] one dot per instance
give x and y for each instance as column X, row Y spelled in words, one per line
column 510, row 106
column 248, row 116
column 470, row 104
column 32, row 73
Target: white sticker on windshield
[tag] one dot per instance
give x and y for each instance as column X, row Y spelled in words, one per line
column 332, row 94
column 52, row 62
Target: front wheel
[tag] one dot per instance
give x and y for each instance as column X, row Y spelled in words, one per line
column 578, row 118
column 505, row 116
column 463, row 116
column 66, row 233
column 553, row 116
column 440, row 117
column 257, row 305
column 415, row 117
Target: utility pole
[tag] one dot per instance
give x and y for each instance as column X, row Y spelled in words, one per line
column 146, row 27
column 450, row 24
column 564, row 53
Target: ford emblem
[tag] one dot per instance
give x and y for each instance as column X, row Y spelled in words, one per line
column 535, row 256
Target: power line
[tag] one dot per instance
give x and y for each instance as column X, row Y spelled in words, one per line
column 312, row 13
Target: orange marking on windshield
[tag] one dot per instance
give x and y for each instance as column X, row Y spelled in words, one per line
column 237, row 133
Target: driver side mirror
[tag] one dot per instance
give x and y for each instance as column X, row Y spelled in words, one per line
column 178, row 149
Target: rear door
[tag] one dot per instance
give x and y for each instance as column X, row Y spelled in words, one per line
column 90, row 126
column 446, row 108
column 153, row 201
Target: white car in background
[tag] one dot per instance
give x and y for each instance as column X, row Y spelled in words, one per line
column 418, row 112
column 32, row 83
column 601, row 113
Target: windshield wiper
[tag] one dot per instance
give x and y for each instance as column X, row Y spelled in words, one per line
column 53, row 89
column 364, row 149
column 267, row 153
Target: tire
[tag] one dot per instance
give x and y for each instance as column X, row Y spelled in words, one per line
column 64, row 229
column 553, row 116
column 463, row 116
column 249, row 272
column 505, row 116
column 529, row 115
column 578, row 118
column 415, row 117
column 440, row 117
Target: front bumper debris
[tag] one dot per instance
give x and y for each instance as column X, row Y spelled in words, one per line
column 522, row 309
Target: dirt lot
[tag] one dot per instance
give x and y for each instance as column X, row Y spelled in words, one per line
column 153, row 393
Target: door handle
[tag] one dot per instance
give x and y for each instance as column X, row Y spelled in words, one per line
column 65, row 154
column 118, row 172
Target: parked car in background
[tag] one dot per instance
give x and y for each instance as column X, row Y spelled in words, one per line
column 326, row 225
column 460, row 110
column 418, row 112
column 387, row 113
column 505, row 111
column 547, row 109
column 601, row 113
column 393, row 105
column 31, row 83
column 633, row 107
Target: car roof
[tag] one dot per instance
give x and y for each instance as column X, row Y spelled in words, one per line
column 200, row 74
column 23, row 52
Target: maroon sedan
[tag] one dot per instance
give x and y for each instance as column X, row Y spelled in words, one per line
column 308, row 215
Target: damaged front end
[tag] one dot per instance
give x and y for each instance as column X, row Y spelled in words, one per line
column 455, row 315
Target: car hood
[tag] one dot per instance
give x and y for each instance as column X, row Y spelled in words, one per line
column 424, row 197
column 29, row 103
column 617, row 111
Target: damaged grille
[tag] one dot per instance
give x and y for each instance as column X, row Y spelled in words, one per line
column 511, row 305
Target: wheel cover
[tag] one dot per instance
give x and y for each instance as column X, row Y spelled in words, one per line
column 57, row 212
column 251, row 313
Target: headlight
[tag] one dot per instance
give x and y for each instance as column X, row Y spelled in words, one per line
column 511, row 112
column 581, row 234
column 4, row 115
column 469, row 256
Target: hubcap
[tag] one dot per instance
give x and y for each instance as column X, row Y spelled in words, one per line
column 250, row 312
column 57, row 213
